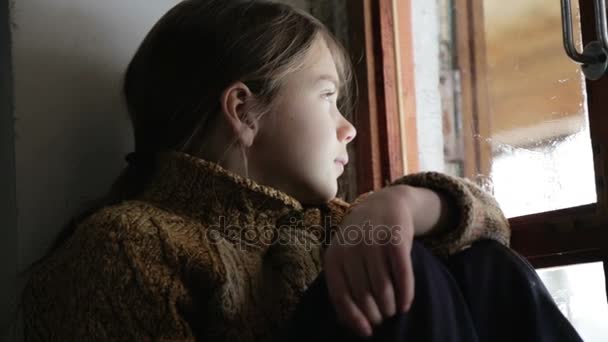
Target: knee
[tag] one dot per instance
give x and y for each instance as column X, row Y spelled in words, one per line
column 494, row 256
column 419, row 251
column 489, row 247
column 493, row 250
column 422, row 258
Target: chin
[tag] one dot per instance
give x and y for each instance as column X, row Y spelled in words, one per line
column 323, row 194
column 330, row 192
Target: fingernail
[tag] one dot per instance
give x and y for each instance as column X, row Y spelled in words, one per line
column 367, row 330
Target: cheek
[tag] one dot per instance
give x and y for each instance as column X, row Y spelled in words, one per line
column 315, row 138
column 308, row 127
column 303, row 142
column 304, row 161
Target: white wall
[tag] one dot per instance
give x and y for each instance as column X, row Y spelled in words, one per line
column 71, row 128
column 425, row 17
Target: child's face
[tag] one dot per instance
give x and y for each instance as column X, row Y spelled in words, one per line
column 298, row 144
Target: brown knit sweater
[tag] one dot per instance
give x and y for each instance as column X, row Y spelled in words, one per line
column 204, row 254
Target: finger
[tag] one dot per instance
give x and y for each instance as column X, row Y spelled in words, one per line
column 360, row 289
column 346, row 309
column 379, row 276
column 403, row 275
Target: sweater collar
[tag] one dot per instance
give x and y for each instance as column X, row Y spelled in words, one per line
column 207, row 192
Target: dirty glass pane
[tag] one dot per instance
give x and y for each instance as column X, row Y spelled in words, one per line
column 580, row 293
column 530, row 144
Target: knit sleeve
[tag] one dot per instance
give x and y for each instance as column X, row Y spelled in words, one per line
column 479, row 215
column 113, row 281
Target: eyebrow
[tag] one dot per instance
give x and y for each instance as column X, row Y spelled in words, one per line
column 329, row 78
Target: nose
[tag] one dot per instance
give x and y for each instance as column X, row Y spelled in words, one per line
column 346, row 131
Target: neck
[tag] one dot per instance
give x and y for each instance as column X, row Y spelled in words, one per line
column 207, row 192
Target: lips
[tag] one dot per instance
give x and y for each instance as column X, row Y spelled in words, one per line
column 340, row 166
column 342, row 160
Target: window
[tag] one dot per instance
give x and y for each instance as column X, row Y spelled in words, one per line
column 514, row 105
column 579, row 292
column 497, row 100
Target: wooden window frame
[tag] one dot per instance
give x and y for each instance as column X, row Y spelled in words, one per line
column 378, row 145
column 554, row 238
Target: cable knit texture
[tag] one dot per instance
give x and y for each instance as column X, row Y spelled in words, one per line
column 205, row 254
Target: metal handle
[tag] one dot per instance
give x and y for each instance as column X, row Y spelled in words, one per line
column 594, row 57
column 601, row 27
column 569, row 38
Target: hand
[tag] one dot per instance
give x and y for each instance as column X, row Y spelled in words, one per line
column 367, row 265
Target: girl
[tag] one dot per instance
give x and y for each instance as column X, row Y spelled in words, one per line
column 221, row 221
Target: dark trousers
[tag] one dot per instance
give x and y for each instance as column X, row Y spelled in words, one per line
column 484, row 293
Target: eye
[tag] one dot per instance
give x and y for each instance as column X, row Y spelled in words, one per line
column 329, row 95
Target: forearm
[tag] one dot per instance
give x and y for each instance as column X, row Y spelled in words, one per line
column 466, row 213
column 432, row 212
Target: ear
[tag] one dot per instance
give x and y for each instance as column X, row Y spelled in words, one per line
column 234, row 103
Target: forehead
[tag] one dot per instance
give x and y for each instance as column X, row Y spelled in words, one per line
column 319, row 63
